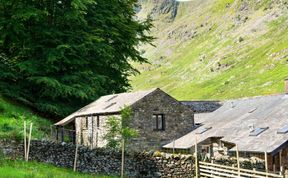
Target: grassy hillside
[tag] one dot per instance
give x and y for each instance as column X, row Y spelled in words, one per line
column 216, row 49
column 12, row 117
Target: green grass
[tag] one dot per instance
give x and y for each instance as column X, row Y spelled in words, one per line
column 22, row 169
column 12, row 117
column 255, row 66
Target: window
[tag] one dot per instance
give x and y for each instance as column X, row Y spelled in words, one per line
column 160, row 121
column 283, row 130
column 257, row 131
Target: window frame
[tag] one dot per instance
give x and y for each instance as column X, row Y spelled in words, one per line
column 257, row 131
column 157, row 117
column 283, row 130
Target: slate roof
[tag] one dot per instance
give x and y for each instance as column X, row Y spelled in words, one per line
column 231, row 122
column 108, row 104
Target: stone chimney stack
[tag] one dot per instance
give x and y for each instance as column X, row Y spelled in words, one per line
column 286, row 85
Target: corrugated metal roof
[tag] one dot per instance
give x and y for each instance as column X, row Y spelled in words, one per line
column 231, row 122
column 107, row 104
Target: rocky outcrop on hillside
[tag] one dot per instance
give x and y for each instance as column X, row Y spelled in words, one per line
column 162, row 7
column 166, row 7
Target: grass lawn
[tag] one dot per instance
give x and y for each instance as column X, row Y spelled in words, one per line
column 20, row 169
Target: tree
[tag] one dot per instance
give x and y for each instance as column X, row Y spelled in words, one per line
column 119, row 128
column 57, row 56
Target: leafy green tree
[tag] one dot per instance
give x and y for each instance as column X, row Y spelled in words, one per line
column 58, row 55
column 119, row 128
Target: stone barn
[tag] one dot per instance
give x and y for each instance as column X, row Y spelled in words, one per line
column 257, row 125
column 158, row 117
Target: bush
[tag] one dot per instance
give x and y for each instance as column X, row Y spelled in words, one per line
column 6, row 127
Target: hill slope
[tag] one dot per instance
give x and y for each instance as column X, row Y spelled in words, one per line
column 12, row 117
column 216, row 49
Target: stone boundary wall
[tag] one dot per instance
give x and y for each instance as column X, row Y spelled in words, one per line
column 108, row 162
column 11, row 149
column 244, row 163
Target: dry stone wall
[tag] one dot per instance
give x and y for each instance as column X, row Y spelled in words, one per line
column 10, row 149
column 108, row 162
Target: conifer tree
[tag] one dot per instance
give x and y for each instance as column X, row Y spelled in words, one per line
column 58, row 55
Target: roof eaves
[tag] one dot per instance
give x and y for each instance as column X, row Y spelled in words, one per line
column 86, row 115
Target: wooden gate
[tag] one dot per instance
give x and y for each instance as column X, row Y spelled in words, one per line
column 220, row 171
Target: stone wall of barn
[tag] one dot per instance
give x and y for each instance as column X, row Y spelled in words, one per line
column 107, row 162
column 179, row 120
column 91, row 133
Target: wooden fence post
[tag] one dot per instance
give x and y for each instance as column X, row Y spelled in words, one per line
column 25, row 142
column 29, row 140
column 122, row 159
column 196, row 158
column 76, row 157
column 266, row 163
column 238, row 162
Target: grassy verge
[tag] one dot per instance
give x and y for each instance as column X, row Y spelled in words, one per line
column 11, row 121
column 20, row 169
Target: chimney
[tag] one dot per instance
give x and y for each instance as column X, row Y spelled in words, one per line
column 286, row 85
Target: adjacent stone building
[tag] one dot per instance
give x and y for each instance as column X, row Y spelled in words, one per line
column 158, row 117
column 257, row 125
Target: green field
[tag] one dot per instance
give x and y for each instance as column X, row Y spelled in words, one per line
column 22, row 169
column 232, row 52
